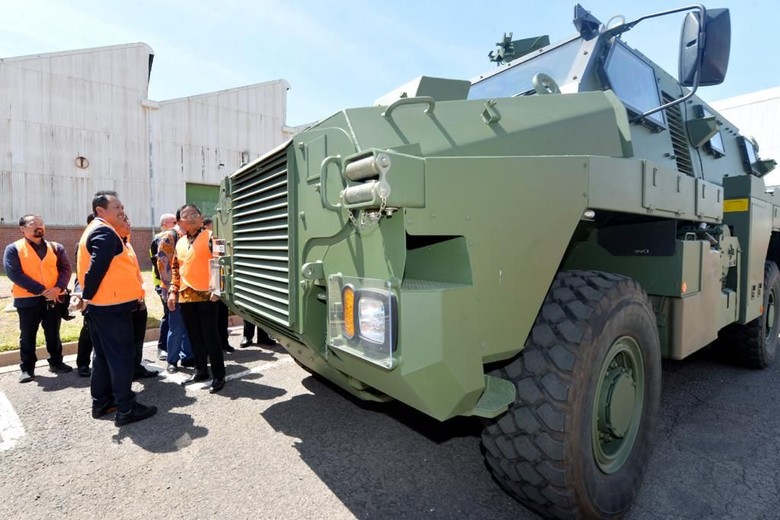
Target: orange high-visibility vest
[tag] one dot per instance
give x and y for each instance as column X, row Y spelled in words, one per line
column 42, row 271
column 84, row 259
column 132, row 254
column 194, row 259
column 121, row 284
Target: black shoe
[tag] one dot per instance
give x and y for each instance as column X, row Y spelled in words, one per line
column 60, row 368
column 188, row 363
column 216, row 385
column 245, row 342
column 137, row 413
column 26, row 376
column 228, row 349
column 84, row 371
column 142, row 373
column 196, row 377
column 100, row 411
column 267, row 341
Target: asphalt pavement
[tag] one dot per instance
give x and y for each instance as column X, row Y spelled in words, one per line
column 279, row 443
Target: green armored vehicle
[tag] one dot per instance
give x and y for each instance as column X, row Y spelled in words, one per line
column 524, row 248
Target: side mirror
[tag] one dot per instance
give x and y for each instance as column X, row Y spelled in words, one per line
column 706, row 51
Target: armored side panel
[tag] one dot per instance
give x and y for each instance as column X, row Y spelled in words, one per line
column 693, row 322
column 749, row 211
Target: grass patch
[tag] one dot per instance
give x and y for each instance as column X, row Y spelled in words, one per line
column 69, row 331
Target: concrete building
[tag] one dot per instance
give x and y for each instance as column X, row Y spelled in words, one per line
column 757, row 114
column 75, row 122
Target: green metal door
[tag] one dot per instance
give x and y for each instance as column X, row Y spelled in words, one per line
column 205, row 196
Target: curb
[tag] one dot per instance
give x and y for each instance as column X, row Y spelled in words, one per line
column 11, row 357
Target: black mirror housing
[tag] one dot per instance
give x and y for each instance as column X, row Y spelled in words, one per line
column 714, row 45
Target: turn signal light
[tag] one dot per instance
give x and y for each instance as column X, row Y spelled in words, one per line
column 348, row 300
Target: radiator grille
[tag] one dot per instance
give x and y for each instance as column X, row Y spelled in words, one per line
column 261, row 244
column 682, row 153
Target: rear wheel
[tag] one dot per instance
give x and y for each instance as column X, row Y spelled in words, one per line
column 577, row 440
column 754, row 344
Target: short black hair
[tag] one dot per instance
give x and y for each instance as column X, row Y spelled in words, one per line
column 193, row 206
column 207, row 221
column 100, row 200
column 90, row 217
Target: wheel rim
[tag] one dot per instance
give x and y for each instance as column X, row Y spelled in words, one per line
column 769, row 312
column 618, row 404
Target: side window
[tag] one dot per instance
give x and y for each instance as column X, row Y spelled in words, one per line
column 714, row 146
column 749, row 156
column 633, row 81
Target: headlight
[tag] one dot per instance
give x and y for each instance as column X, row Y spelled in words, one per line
column 371, row 318
column 362, row 318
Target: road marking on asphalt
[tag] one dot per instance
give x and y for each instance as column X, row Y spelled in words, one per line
column 11, row 429
column 179, row 377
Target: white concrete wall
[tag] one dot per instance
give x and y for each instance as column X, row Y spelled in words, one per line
column 93, row 103
column 56, row 107
column 201, row 139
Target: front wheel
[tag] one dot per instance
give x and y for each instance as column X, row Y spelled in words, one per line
column 576, row 442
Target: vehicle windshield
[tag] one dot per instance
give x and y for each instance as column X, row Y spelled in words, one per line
column 516, row 80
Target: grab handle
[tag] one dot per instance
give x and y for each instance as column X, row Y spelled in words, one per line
column 428, row 100
column 324, row 181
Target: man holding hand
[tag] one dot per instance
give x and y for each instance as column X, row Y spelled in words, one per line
column 189, row 289
column 40, row 271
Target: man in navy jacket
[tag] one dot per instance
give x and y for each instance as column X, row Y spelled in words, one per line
column 40, row 271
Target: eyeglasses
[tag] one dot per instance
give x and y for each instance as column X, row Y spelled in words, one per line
column 35, row 223
column 191, row 218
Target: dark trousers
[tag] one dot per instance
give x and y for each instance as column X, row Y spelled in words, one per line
column 84, row 352
column 112, row 367
column 139, row 332
column 262, row 336
column 249, row 330
column 29, row 320
column 162, row 342
column 201, row 320
column 222, row 324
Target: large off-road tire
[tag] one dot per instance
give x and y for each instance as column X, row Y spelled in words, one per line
column 754, row 344
column 576, row 442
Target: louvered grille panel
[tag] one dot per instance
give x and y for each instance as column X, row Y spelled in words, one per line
column 261, row 244
column 679, row 139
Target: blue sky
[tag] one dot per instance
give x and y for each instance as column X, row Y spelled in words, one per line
column 346, row 53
